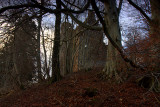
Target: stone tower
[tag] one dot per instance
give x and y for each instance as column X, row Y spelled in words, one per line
column 81, row 49
column 92, row 50
column 66, row 48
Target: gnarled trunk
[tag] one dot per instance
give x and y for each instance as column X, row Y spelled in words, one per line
column 114, row 60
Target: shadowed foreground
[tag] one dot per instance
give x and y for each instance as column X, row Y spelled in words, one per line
column 82, row 89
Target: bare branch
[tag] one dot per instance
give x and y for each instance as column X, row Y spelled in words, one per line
column 125, row 58
column 140, row 10
column 3, row 9
column 37, row 5
column 76, row 12
column 83, row 24
column 79, row 22
column 120, row 6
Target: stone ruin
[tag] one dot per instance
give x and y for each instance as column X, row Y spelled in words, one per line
column 80, row 48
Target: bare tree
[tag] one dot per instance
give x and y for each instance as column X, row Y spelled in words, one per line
column 110, row 26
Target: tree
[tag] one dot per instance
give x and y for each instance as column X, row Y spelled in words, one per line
column 112, row 23
column 110, row 28
column 155, row 32
column 154, row 23
column 39, row 20
column 138, row 49
column 56, row 48
column 153, row 47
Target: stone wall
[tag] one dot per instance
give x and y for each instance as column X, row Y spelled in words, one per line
column 66, row 48
column 85, row 48
column 92, row 50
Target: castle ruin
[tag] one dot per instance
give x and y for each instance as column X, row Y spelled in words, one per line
column 81, row 48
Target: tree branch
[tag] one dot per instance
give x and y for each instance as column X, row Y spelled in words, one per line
column 140, row 10
column 64, row 10
column 120, row 6
column 76, row 12
column 37, row 5
column 125, row 58
column 3, row 9
column 90, row 27
column 79, row 22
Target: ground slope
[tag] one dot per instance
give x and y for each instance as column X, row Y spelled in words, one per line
column 80, row 90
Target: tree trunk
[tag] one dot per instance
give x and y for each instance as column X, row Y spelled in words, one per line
column 39, row 44
column 56, row 48
column 46, row 70
column 155, row 24
column 38, row 50
column 155, row 33
column 112, row 67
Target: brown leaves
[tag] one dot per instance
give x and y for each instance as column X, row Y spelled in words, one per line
column 66, row 93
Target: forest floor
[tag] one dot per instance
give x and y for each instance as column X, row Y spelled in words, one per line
column 82, row 89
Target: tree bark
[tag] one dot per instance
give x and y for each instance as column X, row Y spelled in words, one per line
column 46, row 69
column 155, row 33
column 155, row 24
column 39, row 19
column 56, row 48
column 114, row 60
column 38, row 49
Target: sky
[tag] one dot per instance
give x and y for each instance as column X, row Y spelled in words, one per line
column 130, row 18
